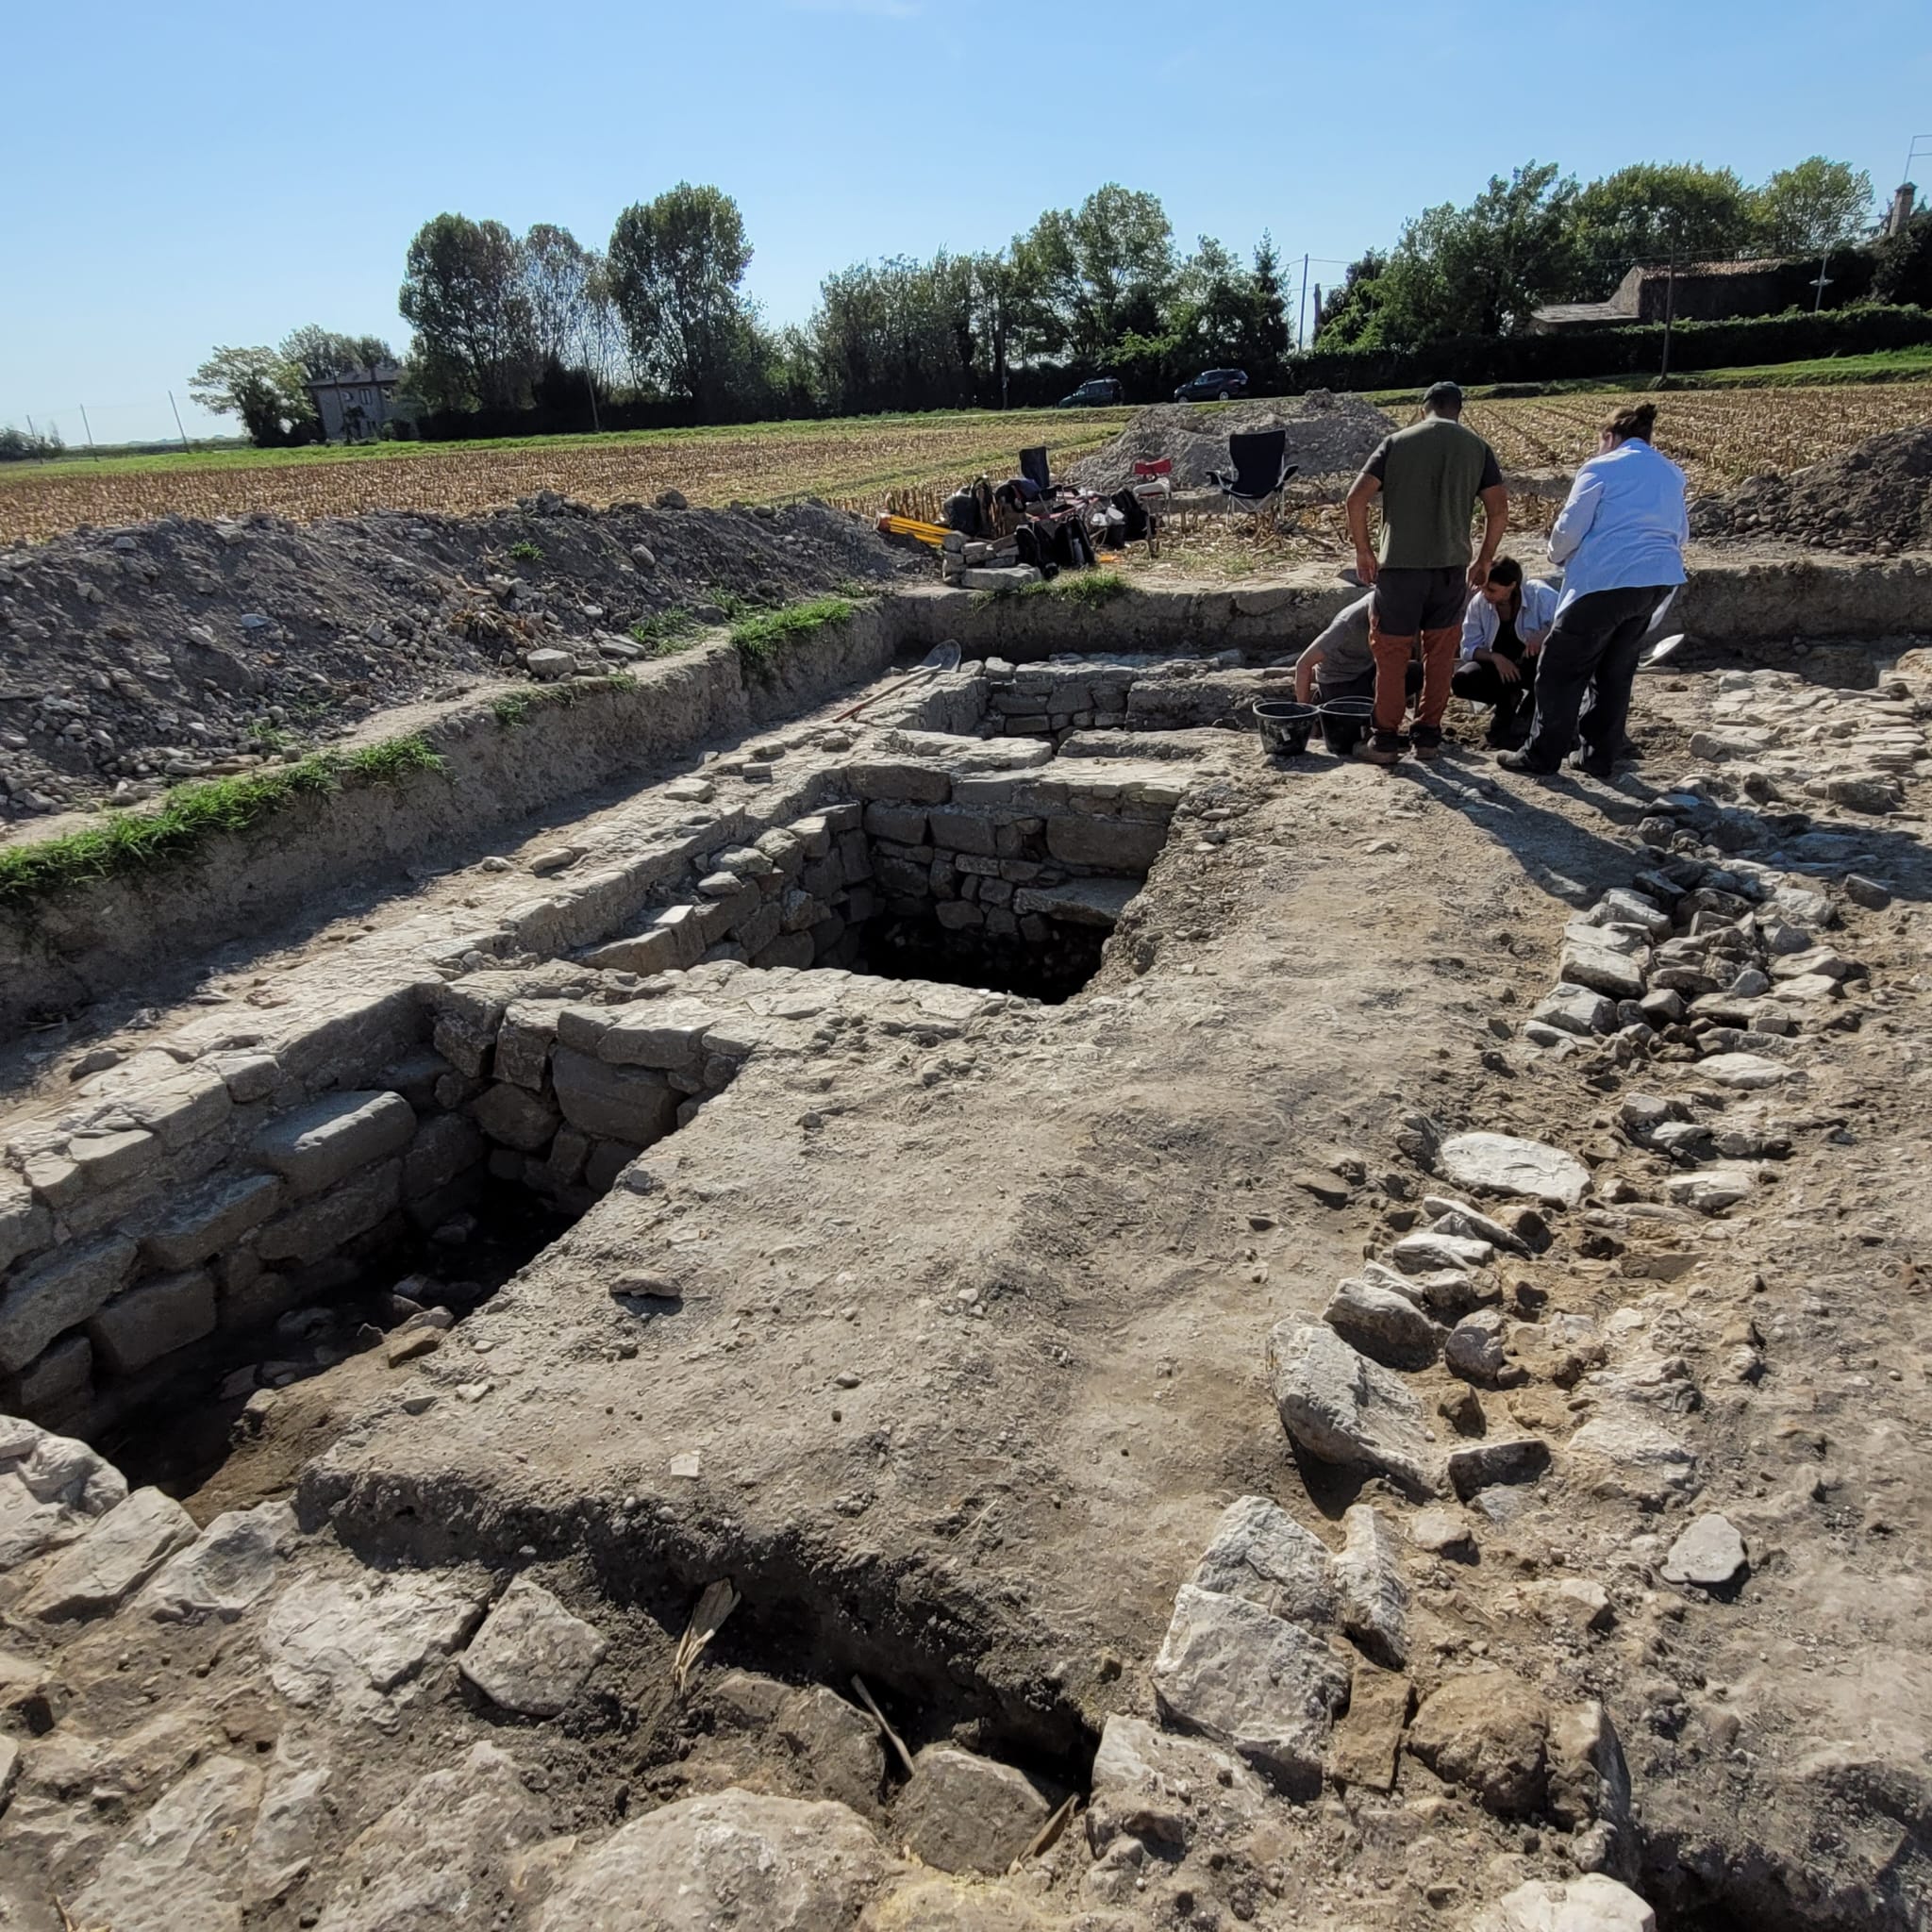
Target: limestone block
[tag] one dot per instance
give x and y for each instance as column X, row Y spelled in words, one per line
column 212, row 1217
column 53, row 1384
column 1119, row 844
column 106, row 1160
column 904, row 824
column 192, row 1101
column 513, row 1117
column 1368, row 1739
column 320, row 1227
column 835, row 1743
column 778, row 1864
column 51, row 1489
column 1508, row 1165
column 898, row 778
column 1164, row 1790
column 319, row 1144
column 629, row 1104
column 1079, row 902
column 1343, row 1408
column 961, row 1812
column 1250, row 1682
column 226, row 1570
column 523, row 1042
column 663, row 1034
column 1623, row 1453
column 1383, row 1324
column 1593, row 1902
column 25, row 1226
column 59, row 1293
column 1261, row 1553
column 445, row 1146
column 531, row 1654
column 153, row 1319
column 1575, row 1010
column 1373, row 1593
column 956, row 829
column 116, row 1555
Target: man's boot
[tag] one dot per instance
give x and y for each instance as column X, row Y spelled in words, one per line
column 1381, row 748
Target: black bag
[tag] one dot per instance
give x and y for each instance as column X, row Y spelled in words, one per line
column 1129, row 507
column 963, row 513
column 1035, row 548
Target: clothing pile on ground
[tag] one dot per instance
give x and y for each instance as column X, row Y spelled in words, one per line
column 1876, row 497
column 1030, row 527
column 1326, row 434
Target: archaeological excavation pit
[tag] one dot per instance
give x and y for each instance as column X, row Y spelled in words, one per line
column 883, row 1150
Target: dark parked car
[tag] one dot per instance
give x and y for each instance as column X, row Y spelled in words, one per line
column 1214, row 386
column 1102, row 390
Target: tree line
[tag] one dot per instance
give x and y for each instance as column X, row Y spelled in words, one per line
column 659, row 317
column 1537, row 237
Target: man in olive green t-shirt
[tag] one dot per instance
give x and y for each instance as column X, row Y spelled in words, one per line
column 1429, row 478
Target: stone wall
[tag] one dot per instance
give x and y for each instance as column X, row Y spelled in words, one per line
column 250, row 1165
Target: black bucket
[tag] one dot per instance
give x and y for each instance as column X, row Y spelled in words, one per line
column 1284, row 726
column 1346, row 723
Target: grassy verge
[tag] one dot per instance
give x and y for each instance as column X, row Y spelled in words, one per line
column 1827, row 371
column 127, row 843
column 667, row 633
column 1091, row 588
column 759, row 639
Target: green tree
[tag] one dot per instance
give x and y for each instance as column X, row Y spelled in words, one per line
column 1481, row 269
column 1651, row 210
column 1813, row 207
column 1903, row 272
column 260, row 386
column 20, row 446
column 1351, row 316
column 675, row 265
column 321, row 353
column 463, row 294
column 1095, row 274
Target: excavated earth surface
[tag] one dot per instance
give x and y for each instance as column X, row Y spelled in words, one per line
column 1874, row 498
column 1252, row 1492
column 130, row 659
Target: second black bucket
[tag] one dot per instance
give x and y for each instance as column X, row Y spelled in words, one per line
column 1346, row 723
column 1285, row 725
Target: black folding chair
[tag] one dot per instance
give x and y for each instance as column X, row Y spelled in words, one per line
column 1033, row 466
column 1260, row 467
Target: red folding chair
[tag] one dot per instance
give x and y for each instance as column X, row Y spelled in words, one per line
column 1154, row 492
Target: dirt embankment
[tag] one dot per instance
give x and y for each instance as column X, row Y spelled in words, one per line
column 1876, row 497
column 183, row 649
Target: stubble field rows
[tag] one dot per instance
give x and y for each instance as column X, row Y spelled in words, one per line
column 868, row 463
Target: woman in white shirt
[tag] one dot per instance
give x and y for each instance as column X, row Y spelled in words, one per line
column 1503, row 633
column 1620, row 538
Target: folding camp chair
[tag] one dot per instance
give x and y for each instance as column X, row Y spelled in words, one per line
column 1260, row 467
column 1154, row 492
column 1033, row 466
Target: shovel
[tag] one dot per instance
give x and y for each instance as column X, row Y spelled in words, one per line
column 940, row 657
column 1663, row 651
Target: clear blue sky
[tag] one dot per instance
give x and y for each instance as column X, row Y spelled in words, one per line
column 199, row 174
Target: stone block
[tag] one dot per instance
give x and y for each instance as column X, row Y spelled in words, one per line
column 320, row 1225
column 248, row 1076
column 106, row 1160
column 606, row 1161
column 687, row 933
column 513, row 1117
column 1079, row 902
column 652, row 951
column 445, row 1146
column 25, row 1226
column 57, row 1382
column 903, row 823
column 904, row 878
column 211, row 1218
column 1368, row 1738
column 758, row 932
column 59, row 1293
column 892, row 778
column 523, row 1040
column 961, row 1812
column 319, row 1144
column 1116, row 845
column 793, row 949
column 956, row 830
column 664, row 1034
column 123, row 1546
column 152, row 1320
column 615, row 1103
column 192, row 1103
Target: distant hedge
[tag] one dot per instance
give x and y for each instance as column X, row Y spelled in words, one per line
column 1636, row 350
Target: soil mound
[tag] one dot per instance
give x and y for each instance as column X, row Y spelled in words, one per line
column 1326, row 433
column 177, row 649
column 1876, row 497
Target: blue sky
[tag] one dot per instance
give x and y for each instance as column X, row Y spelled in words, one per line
column 201, row 173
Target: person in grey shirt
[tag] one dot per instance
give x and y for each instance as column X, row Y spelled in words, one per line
column 1340, row 663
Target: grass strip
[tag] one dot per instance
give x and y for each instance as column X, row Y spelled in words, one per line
column 1091, row 588
column 759, row 638
column 127, row 844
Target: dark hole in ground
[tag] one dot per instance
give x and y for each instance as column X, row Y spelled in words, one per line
column 181, row 1434
column 1051, row 969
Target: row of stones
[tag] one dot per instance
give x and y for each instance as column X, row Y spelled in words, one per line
column 1124, row 693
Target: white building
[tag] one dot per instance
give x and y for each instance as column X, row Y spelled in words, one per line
column 355, row 405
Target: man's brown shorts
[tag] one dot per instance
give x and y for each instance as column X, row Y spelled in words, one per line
column 1408, row 601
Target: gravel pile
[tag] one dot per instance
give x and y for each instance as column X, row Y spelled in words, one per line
column 1876, row 497
column 1326, row 434
column 179, row 649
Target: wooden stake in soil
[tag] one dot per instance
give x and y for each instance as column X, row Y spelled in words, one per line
column 879, row 1717
column 1049, row 1834
column 717, row 1602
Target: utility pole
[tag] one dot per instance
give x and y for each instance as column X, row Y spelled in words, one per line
column 1823, row 283
column 90, row 428
column 1301, row 324
column 1670, row 313
column 590, row 384
column 176, row 407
